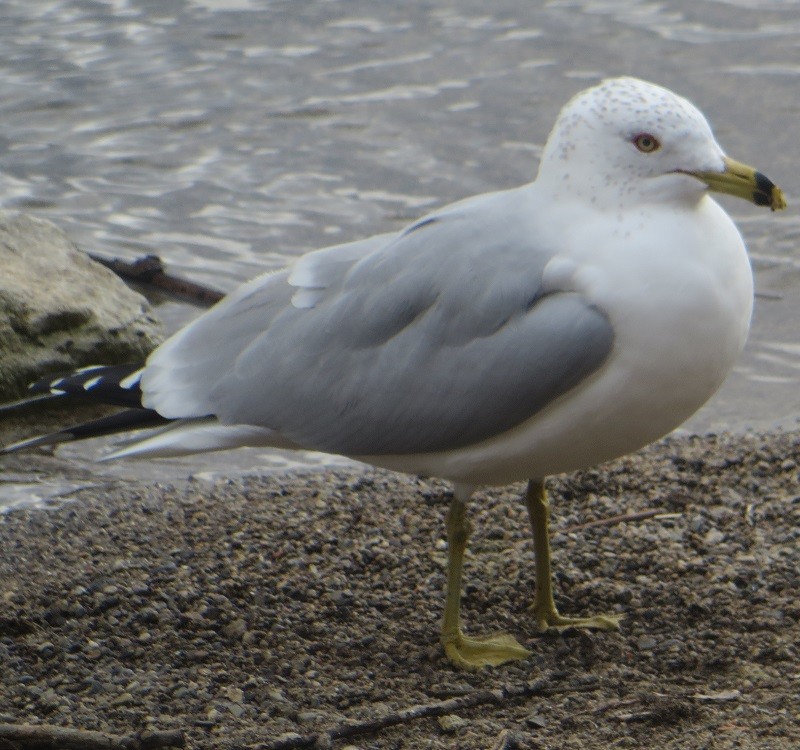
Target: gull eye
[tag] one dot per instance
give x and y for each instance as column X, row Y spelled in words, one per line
column 646, row 143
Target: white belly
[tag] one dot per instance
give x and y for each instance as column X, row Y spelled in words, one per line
column 680, row 314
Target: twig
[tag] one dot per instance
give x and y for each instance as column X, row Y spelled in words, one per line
column 612, row 706
column 633, row 718
column 47, row 737
column 613, row 520
column 440, row 708
column 150, row 270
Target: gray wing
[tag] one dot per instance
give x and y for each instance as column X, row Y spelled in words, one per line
column 430, row 340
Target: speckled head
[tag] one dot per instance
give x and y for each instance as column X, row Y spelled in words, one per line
column 619, row 135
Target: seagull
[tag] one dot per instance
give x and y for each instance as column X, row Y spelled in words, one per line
column 506, row 337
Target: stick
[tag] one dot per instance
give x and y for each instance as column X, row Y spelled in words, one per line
column 150, row 270
column 613, row 520
column 48, row 737
column 440, row 708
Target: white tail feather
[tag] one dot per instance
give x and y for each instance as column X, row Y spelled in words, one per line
column 198, row 436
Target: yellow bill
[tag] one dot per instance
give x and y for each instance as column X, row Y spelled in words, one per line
column 744, row 182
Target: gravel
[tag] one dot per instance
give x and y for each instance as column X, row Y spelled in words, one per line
column 249, row 609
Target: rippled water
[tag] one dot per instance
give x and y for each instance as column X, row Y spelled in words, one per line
column 229, row 135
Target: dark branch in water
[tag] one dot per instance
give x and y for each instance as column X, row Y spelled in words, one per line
column 150, row 270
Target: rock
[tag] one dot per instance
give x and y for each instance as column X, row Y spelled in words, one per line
column 536, row 721
column 124, row 699
column 235, row 629
column 646, row 643
column 46, row 650
column 713, row 537
column 59, row 309
column 451, row 723
column 234, row 694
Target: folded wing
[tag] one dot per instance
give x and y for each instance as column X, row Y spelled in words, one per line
column 430, row 340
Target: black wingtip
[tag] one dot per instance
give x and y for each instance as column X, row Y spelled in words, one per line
column 117, row 385
column 28, row 401
column 123, row 421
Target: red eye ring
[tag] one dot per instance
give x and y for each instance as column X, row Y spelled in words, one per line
column 646, row 143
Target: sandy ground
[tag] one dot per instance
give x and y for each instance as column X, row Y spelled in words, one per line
column 255, row 609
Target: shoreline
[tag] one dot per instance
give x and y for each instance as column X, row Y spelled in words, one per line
column 245, row 609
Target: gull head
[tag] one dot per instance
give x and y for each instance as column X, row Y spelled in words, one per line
column 626, row 142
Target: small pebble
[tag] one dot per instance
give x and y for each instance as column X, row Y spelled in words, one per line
column 451, row 723
column 646, row 643
column 536, row 721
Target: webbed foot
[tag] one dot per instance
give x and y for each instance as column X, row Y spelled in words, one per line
column 472, row 653
column 548, row 618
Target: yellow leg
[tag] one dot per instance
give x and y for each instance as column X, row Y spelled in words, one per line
column 544, row 606
column 462, row 651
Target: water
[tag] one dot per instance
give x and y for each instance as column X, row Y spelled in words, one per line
column 227, row 136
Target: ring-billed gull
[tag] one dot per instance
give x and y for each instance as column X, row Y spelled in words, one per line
column 509, row 336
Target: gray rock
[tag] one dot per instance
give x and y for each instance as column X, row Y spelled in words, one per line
column 59, row 309
column 451, row 723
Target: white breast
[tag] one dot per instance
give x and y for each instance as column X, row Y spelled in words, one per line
column 680, row 311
